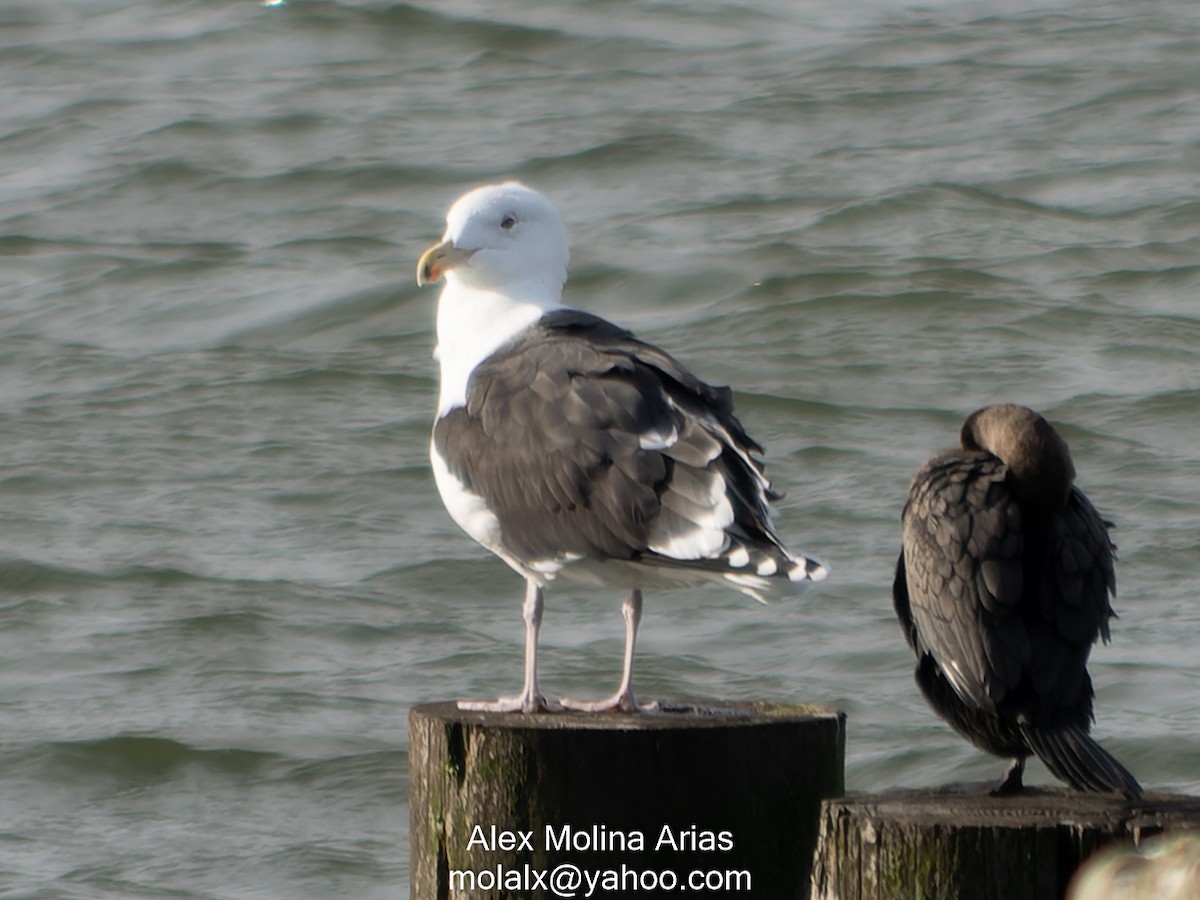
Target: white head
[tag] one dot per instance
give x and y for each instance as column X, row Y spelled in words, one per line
column 504, row 257
column 506, row 238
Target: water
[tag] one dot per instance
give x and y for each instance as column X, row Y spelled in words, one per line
column 225, row 574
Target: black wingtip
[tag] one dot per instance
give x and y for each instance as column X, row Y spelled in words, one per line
column 1072, row 755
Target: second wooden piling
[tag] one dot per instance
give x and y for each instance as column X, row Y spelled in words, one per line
column 957, row 841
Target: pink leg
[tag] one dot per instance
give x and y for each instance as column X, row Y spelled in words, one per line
column 530, row 700
column 623, row 700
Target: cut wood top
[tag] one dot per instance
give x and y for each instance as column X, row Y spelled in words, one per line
column 970, row 804
column 672, row 716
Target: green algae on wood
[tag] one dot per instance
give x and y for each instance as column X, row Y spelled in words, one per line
column 958, row 841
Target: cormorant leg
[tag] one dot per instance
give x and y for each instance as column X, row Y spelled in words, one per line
column 1011, row 782
column 623, row 700
column 530, row 700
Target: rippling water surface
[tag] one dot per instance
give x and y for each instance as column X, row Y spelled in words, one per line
column 225, row 573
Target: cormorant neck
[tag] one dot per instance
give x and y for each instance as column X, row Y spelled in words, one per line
column 1037, row 457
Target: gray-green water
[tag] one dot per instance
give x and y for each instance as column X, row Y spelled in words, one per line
column 225, row 573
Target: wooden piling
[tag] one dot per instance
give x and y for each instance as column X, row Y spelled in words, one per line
column 728, row 790
column 958, row 841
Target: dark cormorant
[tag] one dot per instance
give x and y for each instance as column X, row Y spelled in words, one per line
column 1002, row 588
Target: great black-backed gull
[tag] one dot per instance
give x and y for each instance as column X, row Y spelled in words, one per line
column 574, row 451
column 1002, row 588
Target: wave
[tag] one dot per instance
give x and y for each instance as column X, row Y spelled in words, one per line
column 33, row 578
column 139, row 757
column 533, row 34
column 405, row 20
column 133, row 758
column 642, row 148
column 380, row 770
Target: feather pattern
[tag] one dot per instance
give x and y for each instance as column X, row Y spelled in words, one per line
column 586, row 443
column 1003, row 585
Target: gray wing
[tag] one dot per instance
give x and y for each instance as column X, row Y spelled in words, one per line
column 617, row 450
column 1083, row 557
column 962, row 561
column 1073, row 602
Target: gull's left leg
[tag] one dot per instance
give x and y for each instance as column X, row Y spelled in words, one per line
column 623, row 700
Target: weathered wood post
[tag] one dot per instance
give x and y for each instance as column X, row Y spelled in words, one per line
column 957, row 841
column 726, row 795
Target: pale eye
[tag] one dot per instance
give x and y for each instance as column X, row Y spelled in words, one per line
column 508, row 222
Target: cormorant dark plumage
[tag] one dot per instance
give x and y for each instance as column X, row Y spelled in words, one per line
column 1002, row 587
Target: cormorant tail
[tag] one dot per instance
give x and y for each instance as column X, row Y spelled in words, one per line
column 1071, row 754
